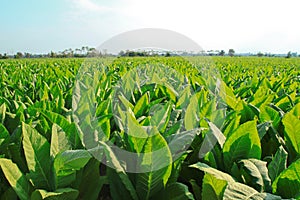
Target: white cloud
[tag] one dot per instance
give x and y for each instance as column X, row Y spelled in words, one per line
column 244, row 25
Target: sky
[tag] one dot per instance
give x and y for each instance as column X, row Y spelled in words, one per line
column 37, row 26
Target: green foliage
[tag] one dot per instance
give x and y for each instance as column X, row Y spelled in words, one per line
column 239, row 116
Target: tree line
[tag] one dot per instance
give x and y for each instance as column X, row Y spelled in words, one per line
column 86, row 51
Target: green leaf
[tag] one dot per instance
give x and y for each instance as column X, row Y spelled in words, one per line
column 269, row 114
column 91, row 175
column 156, row 161
column 216, row 173
column 2, row 113
column 244, row 143
column 59, row 141
column 175, row 191
column 296, row 110
column 180, row 142
column 120, row 185
column 292, row 130
column 161, row 117
column 255, row 173
column 287, row 184
column 226, row 93
column 68, row 127
column 9, row 194
column 212, row 137
column 16, row 179
column 240, row 191
column 125, row 102
column 196, row 189
column 142, row 105
column 263, row 129
column 191, row 117
column 184, row 99
column 4, row 135
column 233, row 190
column 213, row 188
column 63, row 193
column 278, row 163
column 137, row 136
column 37, row 154
column 207, row 109
column 67, row 163
column 262, row 97
column 232, row 125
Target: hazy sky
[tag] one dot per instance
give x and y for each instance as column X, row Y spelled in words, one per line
column 39, row 26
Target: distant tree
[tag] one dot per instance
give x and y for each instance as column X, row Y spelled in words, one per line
column 121, row 53
column 18, row 55
column 92, row 52
column 289, row 54
column 222, row 53
column 5, row 56
column 53, row 55
column 231, row 52
column 131, row 54
column 27, row 55
column 168, row 54
column 260, row 54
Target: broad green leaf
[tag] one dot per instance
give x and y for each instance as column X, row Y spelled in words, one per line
column 263, row 129
column 156, row 162
column 278, row 163
column 180, row 142
column 249, row 112
column 240, row 191
column 244, row 143
column 232, row 125
column 63, row 193
column 4, row 135
column 9, row 194
column 161, row 117
column 137, row 136
column 196, row 189
column 37, row 154
column 216, row 173
column 191, row 117
column 2, row 113
column 228, row 96
column 67, row 163
column 16, row 179
column 292, row 130
column 68, row 127
column 59, row 141
column 121, row 186
column 262, row 97
column 269, row 114
column 15, row 150
column 255, row 173
column 184, row 99
column 175, row 191
column 213, row 188
column 125, row 102
column 207, row 109
column 296, row 110
column 141, row 105
column 212, row 137
column 287, row 184
column 91, row 175
column 217, row 133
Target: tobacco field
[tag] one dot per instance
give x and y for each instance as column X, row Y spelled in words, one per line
column 197, row 128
